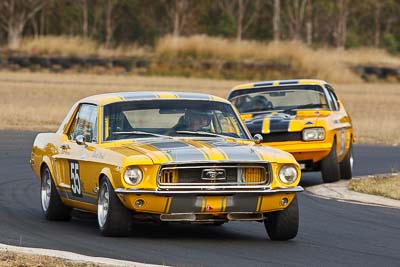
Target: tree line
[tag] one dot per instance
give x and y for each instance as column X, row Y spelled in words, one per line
column 336, row 23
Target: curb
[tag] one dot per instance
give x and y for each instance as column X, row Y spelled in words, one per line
column 73, row 257
column 339, row 191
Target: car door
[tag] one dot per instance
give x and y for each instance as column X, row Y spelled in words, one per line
column 78, row 181
column 341, row 122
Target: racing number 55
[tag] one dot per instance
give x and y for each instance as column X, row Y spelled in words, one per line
column 75, row 178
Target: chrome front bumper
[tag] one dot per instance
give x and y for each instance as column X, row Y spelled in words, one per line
column 218, row 192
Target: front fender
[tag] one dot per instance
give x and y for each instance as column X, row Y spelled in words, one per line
column 107, row 172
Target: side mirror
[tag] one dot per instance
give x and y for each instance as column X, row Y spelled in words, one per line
column 258, row 138
column 80, row 140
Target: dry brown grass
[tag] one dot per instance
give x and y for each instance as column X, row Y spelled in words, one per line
column 386, row 186
column 39, row 101
column 12, row 259
column 324, row 63
column 374, row 109
column 367, row 56
column 76, row 46
column 206, row 47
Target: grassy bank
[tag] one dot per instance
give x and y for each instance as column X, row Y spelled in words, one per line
column 386, row 186
column 39, row 101
column 68, row 46
column 212, row 57
column 302, row 61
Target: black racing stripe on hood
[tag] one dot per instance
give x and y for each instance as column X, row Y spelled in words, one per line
column 255, row 126
column 276, row 125
column 234, row 151
column 178, row 151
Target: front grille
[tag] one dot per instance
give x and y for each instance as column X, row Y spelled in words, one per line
column 253, row 175
column 282, row 137
column 169, row 176
column 198, row 175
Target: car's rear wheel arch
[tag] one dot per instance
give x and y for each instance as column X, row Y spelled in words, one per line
column 43, row 167
column 54, row 209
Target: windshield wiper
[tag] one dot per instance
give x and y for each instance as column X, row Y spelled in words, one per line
column 201, row 133
column 140, row 133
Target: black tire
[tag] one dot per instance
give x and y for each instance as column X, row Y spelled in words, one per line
column 52, row 206
column 330, row 167
column 346, row 166
column 113, row 218
column 283, row 225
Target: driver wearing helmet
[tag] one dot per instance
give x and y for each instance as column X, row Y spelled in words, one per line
column 260, row 103
column 194, row 120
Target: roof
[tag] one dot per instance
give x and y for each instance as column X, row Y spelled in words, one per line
column 104, row 99
column 278, row 83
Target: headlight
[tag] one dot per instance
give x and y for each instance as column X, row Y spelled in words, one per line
column 312, row 134
column 133, row 175
column 288, row 174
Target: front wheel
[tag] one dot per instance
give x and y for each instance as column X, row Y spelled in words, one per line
column 346, row 166
column 52, row 206
column 114, row 219
column 330, row 167
column 284, row 224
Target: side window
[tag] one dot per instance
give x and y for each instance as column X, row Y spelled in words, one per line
column 85, row 123
column 332, row 98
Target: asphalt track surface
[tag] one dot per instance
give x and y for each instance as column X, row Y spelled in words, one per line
column 331, row 233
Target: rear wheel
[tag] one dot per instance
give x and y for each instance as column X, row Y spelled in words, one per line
column 114, row 219
column 284, row 224
column 330, row 167
column 52, row 206
column 346, row 166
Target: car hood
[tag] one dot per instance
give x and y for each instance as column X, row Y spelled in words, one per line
column 163, row 150
column 284, row 122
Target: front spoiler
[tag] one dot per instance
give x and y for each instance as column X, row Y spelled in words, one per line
column 219, row 192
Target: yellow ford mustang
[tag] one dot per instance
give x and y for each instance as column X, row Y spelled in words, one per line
column 303, row 117
column 164, row 156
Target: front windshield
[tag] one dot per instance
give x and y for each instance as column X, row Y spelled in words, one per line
column 167, row 118
column 281, row 99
